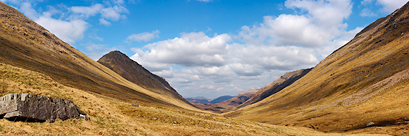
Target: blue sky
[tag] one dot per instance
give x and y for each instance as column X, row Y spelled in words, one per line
column 209, row 47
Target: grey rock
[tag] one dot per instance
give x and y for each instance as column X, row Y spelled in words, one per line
column 135, row 105
column 370, row 124
column 176, row 122
column 37, row 108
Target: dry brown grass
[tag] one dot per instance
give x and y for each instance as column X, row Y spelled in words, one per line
column 25, row 44
column 355, row 85
column 115, row 117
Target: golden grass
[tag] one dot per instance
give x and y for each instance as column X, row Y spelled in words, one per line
column 25, row 44
column 348, row 89
column 110, row 116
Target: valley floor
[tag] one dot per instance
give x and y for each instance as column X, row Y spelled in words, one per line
column 114, row 117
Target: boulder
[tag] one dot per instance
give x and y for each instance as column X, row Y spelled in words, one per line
column 37, row 108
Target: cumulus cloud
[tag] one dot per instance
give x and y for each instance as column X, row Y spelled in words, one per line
column 213, row 61
column 107, row 12
column 191, row 49
column 367, row 13
column 68, row 31
column 145, row 36
column 69, row 23
column 87, row 11
column 279, row 44
column 365, row 2
column 104, row 22
column 392, row 5
column 322, row 22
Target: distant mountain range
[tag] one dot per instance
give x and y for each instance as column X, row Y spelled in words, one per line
column 221, row 99
column 222, row 103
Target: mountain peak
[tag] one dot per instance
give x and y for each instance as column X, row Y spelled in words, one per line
column 136, row 73
column 117, row 53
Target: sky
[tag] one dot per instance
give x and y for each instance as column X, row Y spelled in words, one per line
column 209, row 48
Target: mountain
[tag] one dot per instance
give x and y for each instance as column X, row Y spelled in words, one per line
column 132, row 71
column 33, row 60
column 221, row 99
column 198, row 99
column 226, row 105
column 358, row 88
column 25, row 44
column 276, row 86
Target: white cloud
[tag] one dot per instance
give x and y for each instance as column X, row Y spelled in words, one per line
column 271, row 48
column 104, row 22
column 322, row 22
column 145, row 36
column 192, row 49
column 392, row 5
column 108, row 11
column 367, row 13
column 87, row 11
column 69, row 23
column 238, row 63
column 366, row 2
column 28, row 10
column 114, row 13
column 68, row 31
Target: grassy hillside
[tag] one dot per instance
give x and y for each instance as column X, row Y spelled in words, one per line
column 25, row 44
column 111, row 116
column 364, row 81
column 275, row 86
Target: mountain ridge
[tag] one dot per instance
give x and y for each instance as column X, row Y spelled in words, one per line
column 25, row 44
column 275, row 86
column 361, row 82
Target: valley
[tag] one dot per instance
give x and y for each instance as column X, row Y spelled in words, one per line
column 359, row 89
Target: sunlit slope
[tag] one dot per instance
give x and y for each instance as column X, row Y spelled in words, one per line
column 115, row 117
column 276, row 86
column 364, row 81
column 25, row 44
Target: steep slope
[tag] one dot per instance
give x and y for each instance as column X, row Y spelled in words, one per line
column 114, row 117
column 276, row 86
column 132, row 71
column 221, row 99
column 226, row 105
column 25, row 44
column 358, row 87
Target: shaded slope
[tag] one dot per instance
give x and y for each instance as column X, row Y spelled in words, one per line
column 132, row 71
column 25, row 44
column 363, row 81
column 276, row 86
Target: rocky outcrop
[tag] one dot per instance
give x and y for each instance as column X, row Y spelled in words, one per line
column 37, row 108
